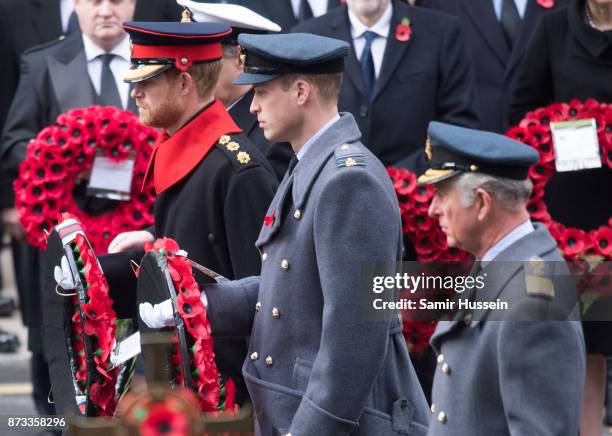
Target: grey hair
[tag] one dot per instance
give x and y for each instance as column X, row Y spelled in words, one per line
column 511, row 194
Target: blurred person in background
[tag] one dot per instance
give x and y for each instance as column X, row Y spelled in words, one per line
column 497, row 33
column 407, row 66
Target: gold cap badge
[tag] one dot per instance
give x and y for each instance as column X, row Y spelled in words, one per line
column 428, row 148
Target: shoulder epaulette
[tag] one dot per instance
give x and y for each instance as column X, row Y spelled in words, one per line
column 538, row 282
column 44, row 45
column 349, row 155
column 230, row 146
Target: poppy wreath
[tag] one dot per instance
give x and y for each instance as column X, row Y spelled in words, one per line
column 429, row 243
column 215, row 393
column 60, row 153
column 534, row 130
column 92, row 327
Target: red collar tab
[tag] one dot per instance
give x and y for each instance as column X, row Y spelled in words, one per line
column 174, row 157
column 184, row 55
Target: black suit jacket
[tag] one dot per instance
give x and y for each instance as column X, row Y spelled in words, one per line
column 496, row 65
column 429, row 77
column 279, row 11
column 278, row 153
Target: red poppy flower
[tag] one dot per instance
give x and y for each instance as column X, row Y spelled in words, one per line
column 424, row 194
column 189, row 307
column 541, row 172
column 575, row 109
column 546, row 4
column 269, row 219
column 519, row 133
column 573, row 241
column 403, row 31
column 603, row 241
column 163, row 421
column 406, row 185
column 559, row 111
column 538, row 211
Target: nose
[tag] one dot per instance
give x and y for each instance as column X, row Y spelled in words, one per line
column 105, row 8
column 136, row 91
column 254, row 108
column 433, row 210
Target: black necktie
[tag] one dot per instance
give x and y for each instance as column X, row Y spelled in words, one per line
column 109, row 94
column 73, row 24
column 367, row 63
column 510, row 21
column 304, row 12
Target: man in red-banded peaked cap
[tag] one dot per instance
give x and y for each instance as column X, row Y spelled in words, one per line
column 213, row 186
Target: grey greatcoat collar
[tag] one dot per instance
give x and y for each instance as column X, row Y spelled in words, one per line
column 300, row 181
column 344, row 131
column 499, row 272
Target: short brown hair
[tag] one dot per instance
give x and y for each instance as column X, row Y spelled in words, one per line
column 328, row 85
column 205, row 76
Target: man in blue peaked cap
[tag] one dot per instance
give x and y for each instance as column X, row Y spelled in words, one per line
column 316, row 365
column 514, row 371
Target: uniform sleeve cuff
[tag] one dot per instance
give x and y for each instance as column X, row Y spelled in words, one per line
column 310, row 419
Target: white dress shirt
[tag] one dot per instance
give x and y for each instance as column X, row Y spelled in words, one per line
column 119, row 65
column 316, row 136
column 517, row 233
column 521, row 6
column 66, row 8
column 318, row 7
column 381, row 28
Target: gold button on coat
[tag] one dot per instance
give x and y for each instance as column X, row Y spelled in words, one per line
column 433, row 407
column 264, row 256
column 285, row 264
column 254, row 355
column 269, row 361
column 442, row 417
column 275, row 312
column 445, row 368
column 258, row 306
column 297, row 214
column 467, row 319
column 440, row 358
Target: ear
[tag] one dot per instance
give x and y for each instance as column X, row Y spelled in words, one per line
column 304, row 91
column 185, row 83
column 483, row 202
column 237, row 63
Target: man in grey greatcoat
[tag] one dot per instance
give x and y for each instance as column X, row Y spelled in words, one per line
column 509, row 371
column 316, row 365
